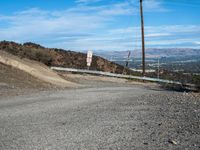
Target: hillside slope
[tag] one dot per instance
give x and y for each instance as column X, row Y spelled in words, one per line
column 59, row 57
column 35, row 69
column 14, row 81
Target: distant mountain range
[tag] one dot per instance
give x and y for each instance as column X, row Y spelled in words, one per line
column 173, row 59
column 152, row 53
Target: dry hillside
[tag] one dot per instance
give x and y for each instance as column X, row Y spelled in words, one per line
column 58, row 57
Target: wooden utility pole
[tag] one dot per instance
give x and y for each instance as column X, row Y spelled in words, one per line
column 143, row 42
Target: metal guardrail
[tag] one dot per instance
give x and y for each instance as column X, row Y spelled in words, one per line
column 114, row 75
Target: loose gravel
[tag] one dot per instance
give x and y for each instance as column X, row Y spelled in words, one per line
column 122, row 117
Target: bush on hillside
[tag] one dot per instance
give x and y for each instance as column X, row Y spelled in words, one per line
column 39, row 55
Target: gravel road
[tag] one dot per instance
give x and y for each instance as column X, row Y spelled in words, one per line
column 110, row 117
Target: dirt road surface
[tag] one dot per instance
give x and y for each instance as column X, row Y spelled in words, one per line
column 103, row 116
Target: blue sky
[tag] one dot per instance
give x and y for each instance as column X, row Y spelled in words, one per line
column 101, row 24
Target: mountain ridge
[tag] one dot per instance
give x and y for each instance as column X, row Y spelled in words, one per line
column 153, row 52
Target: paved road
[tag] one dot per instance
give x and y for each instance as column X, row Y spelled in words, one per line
column 122, row 117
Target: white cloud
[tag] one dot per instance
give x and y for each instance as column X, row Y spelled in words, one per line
column 152, row 4
column 123, row 8
column 36, row 23
column 170, row 42
column 157, row 34
column 126, row 7
column 197, row 42
column 159, row 31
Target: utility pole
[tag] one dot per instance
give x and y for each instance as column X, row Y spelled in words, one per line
column 143, row 42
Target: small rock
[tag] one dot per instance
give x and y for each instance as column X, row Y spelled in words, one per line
column 145, row 143
column 172, row 142
column 185, row 93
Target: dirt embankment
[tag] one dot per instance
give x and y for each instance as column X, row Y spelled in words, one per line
column 35, row 69
column 16, row 82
